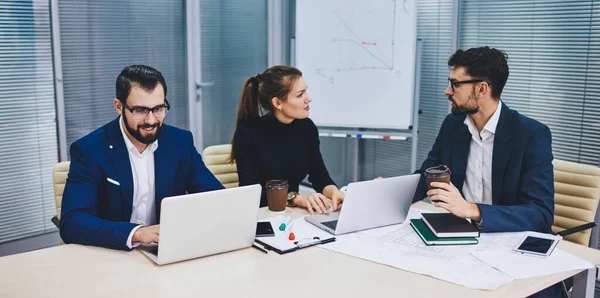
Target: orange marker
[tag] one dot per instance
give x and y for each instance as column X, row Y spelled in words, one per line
column 292, row 236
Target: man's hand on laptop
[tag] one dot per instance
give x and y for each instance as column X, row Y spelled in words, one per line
column 316, row 202
column 146, row 235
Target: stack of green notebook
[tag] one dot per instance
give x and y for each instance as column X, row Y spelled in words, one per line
column 430, row 239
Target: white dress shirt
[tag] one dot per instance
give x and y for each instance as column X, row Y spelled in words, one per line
column 143, row 212
column 478, row 181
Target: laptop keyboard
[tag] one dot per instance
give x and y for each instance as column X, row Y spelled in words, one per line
column 153, row 249
column 330, row 224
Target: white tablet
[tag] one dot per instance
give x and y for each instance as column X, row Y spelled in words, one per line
column 538, row 245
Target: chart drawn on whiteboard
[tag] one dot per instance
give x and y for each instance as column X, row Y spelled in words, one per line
column 356, row 57
column 362, row 48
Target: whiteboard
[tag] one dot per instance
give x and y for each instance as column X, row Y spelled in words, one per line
column 358, row 60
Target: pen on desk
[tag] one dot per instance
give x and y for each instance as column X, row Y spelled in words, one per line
column 261, row 249
column 285, row 222
column 577, row 229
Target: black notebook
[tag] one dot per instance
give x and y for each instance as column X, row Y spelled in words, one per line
column 448, row 225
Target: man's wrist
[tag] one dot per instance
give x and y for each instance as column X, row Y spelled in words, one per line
column 130, row 239
column 475, row 213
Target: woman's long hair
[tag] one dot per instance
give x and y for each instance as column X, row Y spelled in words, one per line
column 258, row 92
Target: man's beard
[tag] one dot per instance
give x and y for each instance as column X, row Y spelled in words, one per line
column 137, row 134
column 462, row 110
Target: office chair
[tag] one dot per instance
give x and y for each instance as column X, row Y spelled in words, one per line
column 59, row 178
column 216, row 159
column 576, row 197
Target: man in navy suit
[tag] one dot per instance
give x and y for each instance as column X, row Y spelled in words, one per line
column 501, row 161
column 120, row 172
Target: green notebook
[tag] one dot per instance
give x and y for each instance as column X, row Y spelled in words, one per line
column 430, row 239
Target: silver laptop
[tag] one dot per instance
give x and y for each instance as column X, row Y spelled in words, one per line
column 207, row 223
column 370, row 204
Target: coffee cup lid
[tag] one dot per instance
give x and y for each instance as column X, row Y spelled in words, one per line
column 438, row 171
column 276, row 184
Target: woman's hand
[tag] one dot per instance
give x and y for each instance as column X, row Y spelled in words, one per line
column 337, row 198
column 313, row 202
column 336, row 195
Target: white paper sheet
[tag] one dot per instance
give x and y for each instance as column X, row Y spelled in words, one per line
column 520, row 266
column 399, row 246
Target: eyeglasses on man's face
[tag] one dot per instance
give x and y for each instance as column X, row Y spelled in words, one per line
column 455, row 84
column 142, row 112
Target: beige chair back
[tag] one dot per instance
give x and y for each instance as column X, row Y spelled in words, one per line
column 216, row 159
column 577, row 192
column 59, row 178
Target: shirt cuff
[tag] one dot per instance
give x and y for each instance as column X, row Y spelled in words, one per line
column 479, row 224
column 135, row 244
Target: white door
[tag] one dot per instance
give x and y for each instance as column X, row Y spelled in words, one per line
column 227, row 43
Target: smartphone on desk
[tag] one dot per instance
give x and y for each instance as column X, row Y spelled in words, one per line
column 264, row 229
column 537, row 246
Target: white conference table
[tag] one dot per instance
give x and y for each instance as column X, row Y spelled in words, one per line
column 82, row 271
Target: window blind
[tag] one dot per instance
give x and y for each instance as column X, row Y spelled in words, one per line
column 554, row 61
column 99, row 38
column 28, row 146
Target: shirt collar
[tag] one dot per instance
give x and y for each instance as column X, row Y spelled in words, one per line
column 128, row 142
column 490, row 126
column 493, row 122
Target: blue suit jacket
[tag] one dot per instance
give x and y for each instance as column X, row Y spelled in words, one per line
column 522, row 171
column 97, row 212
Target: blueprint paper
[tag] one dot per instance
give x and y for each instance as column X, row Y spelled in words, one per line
column 399, row 246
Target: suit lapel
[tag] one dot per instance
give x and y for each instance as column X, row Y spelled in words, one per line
column 122, row 167
column 503, row 147
column 161, row 171
column 460, row 154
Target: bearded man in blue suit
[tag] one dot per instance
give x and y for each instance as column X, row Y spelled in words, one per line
column 120, row 172
column 501, row 161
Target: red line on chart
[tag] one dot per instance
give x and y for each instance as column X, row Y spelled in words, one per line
column 360, row 39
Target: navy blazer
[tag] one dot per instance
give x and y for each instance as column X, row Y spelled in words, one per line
column 96, row 211
column 522, row 171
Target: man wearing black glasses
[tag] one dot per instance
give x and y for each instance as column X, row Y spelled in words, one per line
column 120, row 173
column 501, row 161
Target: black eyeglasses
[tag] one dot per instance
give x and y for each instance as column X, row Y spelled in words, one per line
column 454, row 84
column 142, row 112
